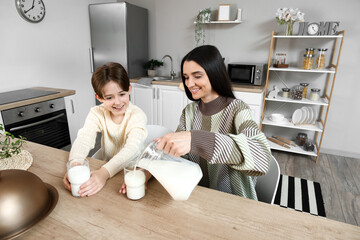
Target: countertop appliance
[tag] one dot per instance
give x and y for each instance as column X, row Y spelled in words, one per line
column 247, row 73
column 119, row 33
column 43, row 122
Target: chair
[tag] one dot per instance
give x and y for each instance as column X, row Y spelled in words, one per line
column 154, row 131
column 267, row 184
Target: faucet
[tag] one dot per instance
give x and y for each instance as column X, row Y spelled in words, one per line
column 172, row 73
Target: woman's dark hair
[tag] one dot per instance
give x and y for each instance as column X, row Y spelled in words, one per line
column 210, row 59
column 110, row 72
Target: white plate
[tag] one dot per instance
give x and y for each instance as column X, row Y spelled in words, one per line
column 305, row 115
column 297, row 116
column 315, row 115
column 311, row 115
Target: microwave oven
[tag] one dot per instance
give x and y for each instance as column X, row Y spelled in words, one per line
column 245, row 73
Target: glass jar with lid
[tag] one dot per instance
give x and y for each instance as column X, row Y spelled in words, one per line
column 297, row 92
column 285, row 92
column 320, row 60
column 304, row 85
column 309, row 51
column 308, row 61
column 314, row 94
column 301, row 139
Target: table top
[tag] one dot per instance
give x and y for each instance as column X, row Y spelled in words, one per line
column 207, row 214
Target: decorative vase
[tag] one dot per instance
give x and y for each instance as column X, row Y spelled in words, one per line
column 151, row 73
column 289, row 29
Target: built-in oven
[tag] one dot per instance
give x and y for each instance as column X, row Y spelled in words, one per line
column 43, row 122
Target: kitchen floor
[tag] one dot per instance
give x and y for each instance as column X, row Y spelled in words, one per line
column 339, row 179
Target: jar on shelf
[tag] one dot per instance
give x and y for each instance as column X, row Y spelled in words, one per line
column 320, row 60
column 309, row 146
column 309, row 51
column 314, row 94
column 297, row 92
column 285, row 92
column 304, row 85
column 308, row 61
column 301, row 139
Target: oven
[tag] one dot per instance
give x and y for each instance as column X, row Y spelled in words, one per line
column 43, row 122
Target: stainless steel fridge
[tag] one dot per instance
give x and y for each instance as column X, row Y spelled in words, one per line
column 119, row 33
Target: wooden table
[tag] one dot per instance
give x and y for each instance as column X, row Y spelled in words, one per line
column 207, row 214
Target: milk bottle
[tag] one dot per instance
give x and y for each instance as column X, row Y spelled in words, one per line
column 177, row 175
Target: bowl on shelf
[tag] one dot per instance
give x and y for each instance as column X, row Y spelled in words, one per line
column 277, row 117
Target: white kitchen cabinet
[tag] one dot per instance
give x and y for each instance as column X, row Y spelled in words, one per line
column 72, row 118
column 162, row 104
column 254, row 100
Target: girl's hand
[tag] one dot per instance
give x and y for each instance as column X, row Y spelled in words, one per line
column 95, row 183
column 147, row 177
column 175, row 144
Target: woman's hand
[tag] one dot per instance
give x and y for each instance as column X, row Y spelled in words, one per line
column 175, row 144
column 147, row 177
column 95, row 183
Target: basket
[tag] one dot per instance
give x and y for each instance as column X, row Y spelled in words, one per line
column 23, row 161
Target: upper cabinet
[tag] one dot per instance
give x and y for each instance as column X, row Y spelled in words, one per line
column 299, row 88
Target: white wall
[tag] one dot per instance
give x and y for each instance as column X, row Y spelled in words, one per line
column 54, row 53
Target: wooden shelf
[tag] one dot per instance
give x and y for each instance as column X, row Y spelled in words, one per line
column 321, row 102
column 292, row 149
column 317, row 127
column 314, row 37
column 295, row 69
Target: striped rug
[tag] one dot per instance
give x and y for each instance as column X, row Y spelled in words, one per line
column 300, row 194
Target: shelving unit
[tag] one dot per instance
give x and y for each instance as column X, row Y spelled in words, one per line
column 324, row 78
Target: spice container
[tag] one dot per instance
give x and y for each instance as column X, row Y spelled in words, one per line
column 301, row 138
column 320, row 60
column 309, row 146
column 285, row 92
column 315, row 94
column 304, row 85
column 308, row 61
column 309, row 51
column 297, row 92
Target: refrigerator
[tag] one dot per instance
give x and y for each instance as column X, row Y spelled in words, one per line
column 119, row 33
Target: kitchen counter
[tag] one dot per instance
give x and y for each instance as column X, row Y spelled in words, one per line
column 207, row 214
column 61, row 93
column 236, row 87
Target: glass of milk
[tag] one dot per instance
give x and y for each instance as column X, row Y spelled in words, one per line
column 78, row 172
column 134, row 178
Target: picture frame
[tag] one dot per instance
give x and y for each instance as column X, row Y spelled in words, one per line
column 224, row 12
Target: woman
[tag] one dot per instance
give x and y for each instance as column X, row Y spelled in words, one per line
column 217, row 130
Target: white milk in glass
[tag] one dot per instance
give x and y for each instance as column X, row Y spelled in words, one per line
column 135, row 184
column 178, row 176
column 77, row 175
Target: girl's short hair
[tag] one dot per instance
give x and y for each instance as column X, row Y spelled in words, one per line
column 210, row 59
column 109, row 72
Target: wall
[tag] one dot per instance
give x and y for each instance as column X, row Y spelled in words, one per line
column 54, row 53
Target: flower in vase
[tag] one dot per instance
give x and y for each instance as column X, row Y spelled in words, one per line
column 289, row 15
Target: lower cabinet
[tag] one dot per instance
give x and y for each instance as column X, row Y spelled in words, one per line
column 163, row 105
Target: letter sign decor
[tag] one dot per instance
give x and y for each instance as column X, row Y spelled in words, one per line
column 318, row 28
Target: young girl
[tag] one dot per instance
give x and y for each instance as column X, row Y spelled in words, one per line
column 122, row 125
column 217, row 130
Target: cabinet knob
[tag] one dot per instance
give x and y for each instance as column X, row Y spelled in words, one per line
column 21, row 114
column 52, row 105
column 37, row 109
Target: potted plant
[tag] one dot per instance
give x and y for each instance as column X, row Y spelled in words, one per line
column 11, row 154
column 204, row 16
column 151, row 65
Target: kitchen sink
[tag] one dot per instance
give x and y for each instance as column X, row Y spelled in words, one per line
column 161, row 78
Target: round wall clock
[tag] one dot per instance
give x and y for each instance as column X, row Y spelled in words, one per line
column 31, row 10
column 313, row 29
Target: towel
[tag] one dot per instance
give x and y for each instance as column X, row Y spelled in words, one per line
column 145, row 82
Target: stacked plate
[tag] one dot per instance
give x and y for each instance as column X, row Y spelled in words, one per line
column 304, row 115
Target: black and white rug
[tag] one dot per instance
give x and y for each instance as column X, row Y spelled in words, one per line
column 300, row 194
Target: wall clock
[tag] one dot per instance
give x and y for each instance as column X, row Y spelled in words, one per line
column 31, row 10
column 313, row 29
